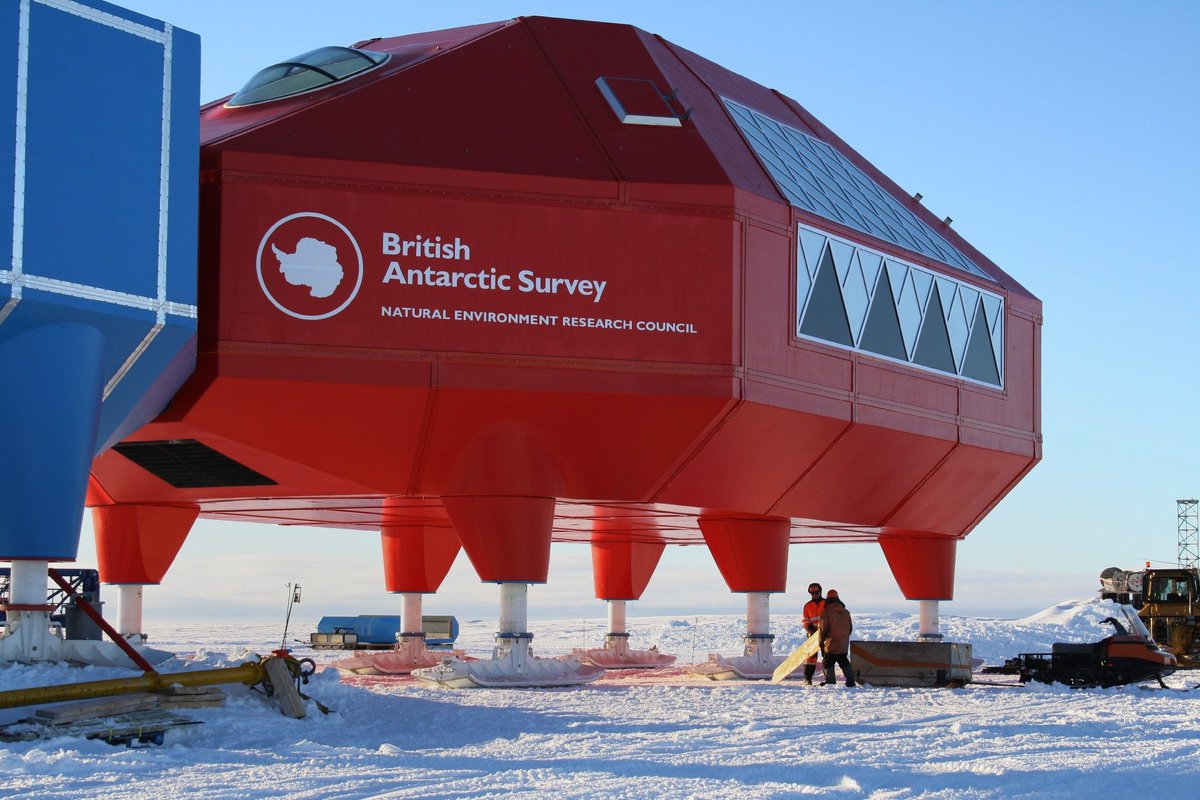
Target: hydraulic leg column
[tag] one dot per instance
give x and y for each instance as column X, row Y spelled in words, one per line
column 751, row 553
column 621, row 569
column 27, row 629
column 617, row 638
column 129, row 621
column 507, row 539
column 923, row 567
column 417, row 555
column 135, row 546
column 514, row 638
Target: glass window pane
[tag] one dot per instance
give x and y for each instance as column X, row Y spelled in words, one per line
column 842, row 192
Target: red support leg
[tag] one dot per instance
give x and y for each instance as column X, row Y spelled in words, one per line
column 922, row 565
column 506, row 538
column 751, row 552
column 417, row 557
column 508, row 541
column 621, row 569
column 137, row 544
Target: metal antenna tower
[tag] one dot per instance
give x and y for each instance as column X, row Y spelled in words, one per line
column 1189, row 532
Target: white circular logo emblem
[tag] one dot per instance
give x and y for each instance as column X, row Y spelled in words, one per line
column 309, row 266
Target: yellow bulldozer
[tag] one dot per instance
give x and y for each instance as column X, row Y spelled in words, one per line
column 1168, row 601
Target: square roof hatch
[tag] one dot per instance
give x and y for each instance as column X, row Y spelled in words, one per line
column 637, row 101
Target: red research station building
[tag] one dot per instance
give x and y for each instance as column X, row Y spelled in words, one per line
column 546, row 279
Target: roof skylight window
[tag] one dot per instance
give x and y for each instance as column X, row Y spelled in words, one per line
column 306, row 72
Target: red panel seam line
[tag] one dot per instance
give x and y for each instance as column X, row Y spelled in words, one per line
column 623, row 193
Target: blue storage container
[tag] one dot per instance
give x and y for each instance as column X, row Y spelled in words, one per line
column 377, row 629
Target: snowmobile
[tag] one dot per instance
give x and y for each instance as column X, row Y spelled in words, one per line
column 1128, row 656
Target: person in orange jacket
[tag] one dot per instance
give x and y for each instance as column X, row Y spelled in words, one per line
column 812, row 618
column 835, row 628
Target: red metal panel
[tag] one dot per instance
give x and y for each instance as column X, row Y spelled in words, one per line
column 904, row 387
column 581, row 52
column 386, row 387
column 864, row 476
column 968, row 483
column 701, row 84
column 137, row 544
column 494, row 106
column 607, row 286
column 557, row 443
column 221, row 123
column 754, row 457
column 1018, row 406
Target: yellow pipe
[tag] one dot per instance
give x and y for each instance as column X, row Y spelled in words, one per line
column 249, row 673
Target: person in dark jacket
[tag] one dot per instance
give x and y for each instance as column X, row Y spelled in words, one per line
column 812, row 618
column 835, row 628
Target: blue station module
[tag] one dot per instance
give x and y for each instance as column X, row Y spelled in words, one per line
column 98, row 236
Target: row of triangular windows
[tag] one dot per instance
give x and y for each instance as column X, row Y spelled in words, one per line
column 852, row 296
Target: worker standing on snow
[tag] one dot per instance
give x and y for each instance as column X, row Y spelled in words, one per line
column 835, row 627
column 812, row 618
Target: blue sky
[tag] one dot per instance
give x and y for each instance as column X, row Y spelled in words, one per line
column 1060, row 137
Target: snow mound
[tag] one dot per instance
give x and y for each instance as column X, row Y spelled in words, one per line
column 1084, row 615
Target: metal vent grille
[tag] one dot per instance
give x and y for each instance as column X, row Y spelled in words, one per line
column 188, row 464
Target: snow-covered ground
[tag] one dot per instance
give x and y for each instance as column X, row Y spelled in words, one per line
column 673, row 736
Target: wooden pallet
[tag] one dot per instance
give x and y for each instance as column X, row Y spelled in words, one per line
column 134, row 729
column 138, row 719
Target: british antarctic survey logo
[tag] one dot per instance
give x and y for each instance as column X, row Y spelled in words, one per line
column 313, row 266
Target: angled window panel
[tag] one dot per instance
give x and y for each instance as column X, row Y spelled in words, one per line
column 998, row 344
column 933, row 342
column 804, row 285
column 979, row 362
column 825, row 316
column 637, row 101
column 947, row 288
column 991, row 308
column 911, row 310
column 971, row 297
column 957, row 326
column 793, row 190
column 812, row 245
column 922, row 282
column 857, row 298
column 757, row 138
column 871, row 264
column 881, row 333
column 897, row 273
column 842, row 254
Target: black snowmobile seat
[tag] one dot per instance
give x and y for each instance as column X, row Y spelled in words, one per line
column 1065, row 649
